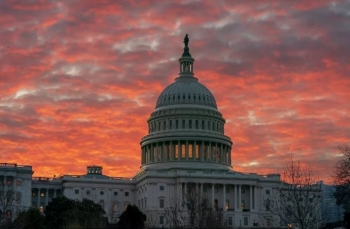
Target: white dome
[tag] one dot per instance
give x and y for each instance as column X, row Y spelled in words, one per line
column 186, row 90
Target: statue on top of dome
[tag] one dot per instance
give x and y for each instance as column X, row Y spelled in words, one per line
column 186, row 40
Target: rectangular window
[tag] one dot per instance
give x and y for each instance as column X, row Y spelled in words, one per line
column 161, row 203
column 164, row 125
column 161, row 220
column 230, row 221
column 76, row 191
column 196, row 124
column 126, row 193
column 176, row 151
column 87, row 192
column 115, row 193
column 170, row 124
column 205, row 189
column 177, row 124
column 202, row 124
column 197, row 151
column 245, row 221
column 190, row 124
column 268, row 192
column 227, row 190
column 161, row 188
column 19, row 183
column 183, row 123
column 183, row 150
column 216, row 190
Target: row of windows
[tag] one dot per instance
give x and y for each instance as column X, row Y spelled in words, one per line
column 141, row 190
column 200, row 98
column 9, row 182
column 88, row 192
column 185, row 124
column 245, row 221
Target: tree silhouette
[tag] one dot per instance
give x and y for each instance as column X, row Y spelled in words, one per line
column 132, row 217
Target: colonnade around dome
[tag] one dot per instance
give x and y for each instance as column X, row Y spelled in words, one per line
column 186, row 150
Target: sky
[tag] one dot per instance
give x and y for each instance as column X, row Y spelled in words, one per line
column 79, row 79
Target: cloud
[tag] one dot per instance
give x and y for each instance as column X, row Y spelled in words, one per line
column 78, row 80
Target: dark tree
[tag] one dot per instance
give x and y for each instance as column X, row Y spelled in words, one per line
column 31, row 219
column 342, row 179
column 58, row 213
column 132, row 217
column 88, row 214
column 62, row 212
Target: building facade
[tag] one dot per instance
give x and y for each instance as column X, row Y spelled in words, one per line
column 185, row 150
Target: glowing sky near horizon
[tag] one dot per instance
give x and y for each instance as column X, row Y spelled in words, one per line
column 79, row 79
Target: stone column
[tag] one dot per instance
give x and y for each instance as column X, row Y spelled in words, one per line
column 187, row 151
column 38, row 199
column 235, row 194
column 194, row 151
column 171, row 151
column 46, row 197
column 201, row 187
column 212, row 195
column 210, row 152
column 152, row 153
column 179, row 152
column 222, row 153
column 185, row 191
column 224, row 196
column 255, row 197
column 239, row 197
column 250, row 197
column 179, row 192
column 165, row 152
column 202, row 151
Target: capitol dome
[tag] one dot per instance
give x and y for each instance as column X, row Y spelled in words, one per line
column 186, row 130
column 186, row 90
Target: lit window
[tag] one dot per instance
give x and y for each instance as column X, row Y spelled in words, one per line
column 19, row 183
column 115, row 207
column 42, row 209
column 125, row 206
column 227, row 205
column 42, row 194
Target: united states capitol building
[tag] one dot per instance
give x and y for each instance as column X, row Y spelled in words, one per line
column 186, row 149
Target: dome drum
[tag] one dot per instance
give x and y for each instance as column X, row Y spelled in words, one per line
column 207, row 151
